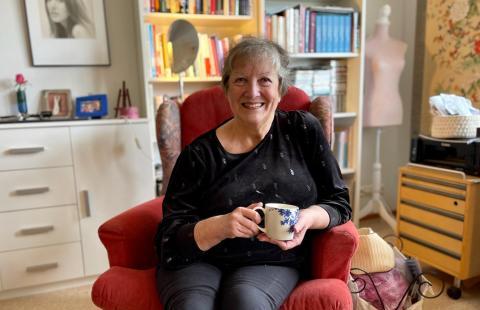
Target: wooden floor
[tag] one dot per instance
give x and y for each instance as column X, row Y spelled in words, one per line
column 79, row 298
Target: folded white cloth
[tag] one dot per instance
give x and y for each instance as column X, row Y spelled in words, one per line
column 446, row 104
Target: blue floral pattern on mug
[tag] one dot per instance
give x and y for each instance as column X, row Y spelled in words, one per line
column 289, row 217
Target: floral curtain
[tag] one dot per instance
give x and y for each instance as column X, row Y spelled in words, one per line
column 452, row 52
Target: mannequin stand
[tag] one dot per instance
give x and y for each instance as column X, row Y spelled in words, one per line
column 377, row 203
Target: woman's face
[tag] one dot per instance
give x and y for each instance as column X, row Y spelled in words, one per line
column 57, row 10
column 253, row 92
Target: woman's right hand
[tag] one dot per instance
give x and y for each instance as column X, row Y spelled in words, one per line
column 240, row 223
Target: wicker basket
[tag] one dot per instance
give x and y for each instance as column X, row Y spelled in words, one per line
column 455, row 126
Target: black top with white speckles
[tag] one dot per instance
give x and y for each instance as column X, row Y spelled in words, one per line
column 292, row 164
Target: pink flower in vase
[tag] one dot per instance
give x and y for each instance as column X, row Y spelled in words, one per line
column 20, row 81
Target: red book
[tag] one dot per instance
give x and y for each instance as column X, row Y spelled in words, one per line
column 213, row 7
column 208, row 67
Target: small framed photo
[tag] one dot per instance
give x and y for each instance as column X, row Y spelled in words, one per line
column 58, row 102
column 94, row 106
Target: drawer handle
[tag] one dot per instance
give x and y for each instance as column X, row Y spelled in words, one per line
column 42, row 267
column 31, row 191
column 26, row 150
column 86, row 197
column 36, row 230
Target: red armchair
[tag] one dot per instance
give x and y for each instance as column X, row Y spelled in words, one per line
column 130, row 281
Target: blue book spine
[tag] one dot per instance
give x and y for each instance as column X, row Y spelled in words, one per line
column 151, row 42
column 198, row 7
column 348, row 33
column 324, row 33
column 337, row 32
column 318, row 33
column 331, row 33
column 341, row 32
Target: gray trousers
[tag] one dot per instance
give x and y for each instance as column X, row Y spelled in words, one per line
column 202, row 286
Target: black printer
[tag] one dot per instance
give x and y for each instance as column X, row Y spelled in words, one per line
column 456, row 154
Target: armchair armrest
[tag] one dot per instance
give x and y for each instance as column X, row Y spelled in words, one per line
column 332, row 252
column 129, row 236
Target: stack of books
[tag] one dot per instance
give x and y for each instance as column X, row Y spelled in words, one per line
column 328, row 79
column 338, row 85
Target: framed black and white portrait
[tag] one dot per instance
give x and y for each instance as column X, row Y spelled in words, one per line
column 67, row 32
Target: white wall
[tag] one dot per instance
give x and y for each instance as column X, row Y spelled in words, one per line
column 15, row 58
column 395, row 142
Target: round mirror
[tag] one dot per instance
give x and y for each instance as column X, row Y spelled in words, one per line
column 184, row 38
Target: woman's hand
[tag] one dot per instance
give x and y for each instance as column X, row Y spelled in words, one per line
column 314, row 217
column 240, row 223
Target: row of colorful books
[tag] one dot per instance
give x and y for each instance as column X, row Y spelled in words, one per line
column 325, row 79
column 209, row 61
column 314, row 29
column 211, row 7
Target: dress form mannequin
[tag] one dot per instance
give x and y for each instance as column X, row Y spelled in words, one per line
column 385, row 60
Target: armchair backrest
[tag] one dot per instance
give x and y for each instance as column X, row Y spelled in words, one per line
column 179, row 124
column 206, row 109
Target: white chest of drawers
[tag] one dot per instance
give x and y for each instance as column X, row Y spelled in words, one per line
column 58, row 182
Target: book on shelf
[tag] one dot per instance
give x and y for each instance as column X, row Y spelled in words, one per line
column 208, row 63
column 340, row 147
column 315, row 29
column 326, row 79
column 208, row 7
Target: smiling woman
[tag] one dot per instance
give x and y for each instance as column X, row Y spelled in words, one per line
column 210, row 247
column 69, row 19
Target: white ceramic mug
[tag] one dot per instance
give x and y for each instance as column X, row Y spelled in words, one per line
column 279, row 220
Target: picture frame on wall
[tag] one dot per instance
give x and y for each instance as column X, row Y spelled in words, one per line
column 67, row 33
column 58, row 102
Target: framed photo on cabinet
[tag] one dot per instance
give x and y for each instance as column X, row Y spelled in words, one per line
column 67, row 32
column 58, row 102
column 93, row 106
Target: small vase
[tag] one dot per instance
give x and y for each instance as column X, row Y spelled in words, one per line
column 22, row 102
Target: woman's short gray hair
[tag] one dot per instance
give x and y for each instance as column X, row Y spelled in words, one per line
column 259, row 49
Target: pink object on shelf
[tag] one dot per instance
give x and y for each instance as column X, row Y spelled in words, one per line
column 128, row 112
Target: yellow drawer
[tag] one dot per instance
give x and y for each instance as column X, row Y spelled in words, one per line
column 28, row 148
column 38, row 227
column 434, row 199
column 437, row 239
column 27, row 189
column 40, row 265
column 443, row 186
column 430, row 256
column 446, row 221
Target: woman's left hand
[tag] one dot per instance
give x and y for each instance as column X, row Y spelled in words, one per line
column 313, row 217
column 299, row 231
